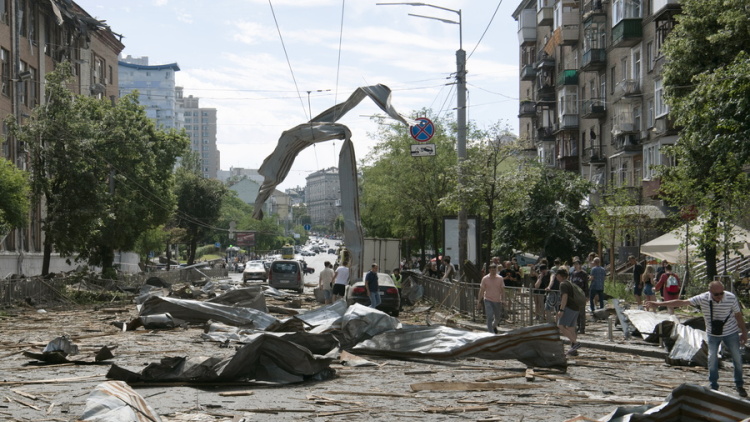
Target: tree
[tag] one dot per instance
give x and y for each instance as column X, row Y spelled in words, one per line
column 402, row 195
column 486, row 188
column 553, row 218
column 14, row 189
column 103, row 171
column 198, row 203
column 707, row 82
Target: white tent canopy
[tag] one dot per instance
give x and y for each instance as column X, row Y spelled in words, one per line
column 669, row 247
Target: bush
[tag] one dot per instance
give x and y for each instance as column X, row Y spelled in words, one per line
column 206, row 250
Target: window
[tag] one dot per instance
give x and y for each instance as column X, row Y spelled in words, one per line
column 33, row 93
column 661, row 107
column 5, row 71
column 650, row 113
column 24, row 88
column 4, row 11
column 603, row 87
column 650, row 56
column 624, row 67
column 625, row 9
column 635, row 59
column 637, row 118
column 612, row 79
column 663, row 28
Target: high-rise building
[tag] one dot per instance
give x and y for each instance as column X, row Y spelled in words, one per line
column 591, row 88
column 34, row 38
column 155, row 85
column 323, row 196
column 200, row 125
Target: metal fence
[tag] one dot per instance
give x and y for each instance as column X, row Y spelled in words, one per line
column 461, row 297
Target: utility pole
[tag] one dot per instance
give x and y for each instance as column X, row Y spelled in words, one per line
column 463, row 226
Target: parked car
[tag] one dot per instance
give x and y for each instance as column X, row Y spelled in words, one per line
column 254, row 271
column 286, row 274
column 391, row 301
column 332, row 251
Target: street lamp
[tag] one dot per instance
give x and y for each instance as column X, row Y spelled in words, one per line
column 461, row 116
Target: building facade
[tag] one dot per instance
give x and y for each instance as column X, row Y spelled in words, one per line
column 323, row 196
column 200, row 125
column 590, row 87
column 155, row 85
column 34, row 37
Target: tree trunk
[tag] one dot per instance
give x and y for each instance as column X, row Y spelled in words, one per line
column 108, row 259
column 47, row 255
column 435, row 243
column 711, row 271
column 169, row 255
column 422, row 235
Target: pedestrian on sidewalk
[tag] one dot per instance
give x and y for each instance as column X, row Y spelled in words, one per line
column 580, row 277
column 492, row 294
column 567, row 316
column 325, row 282
column 669, row 285
column 718, row 308
column 596, row 289
column 637, row 282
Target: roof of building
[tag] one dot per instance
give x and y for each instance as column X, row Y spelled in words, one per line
column 172, row 66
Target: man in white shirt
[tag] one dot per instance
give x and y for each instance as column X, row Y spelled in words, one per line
column 724, row 324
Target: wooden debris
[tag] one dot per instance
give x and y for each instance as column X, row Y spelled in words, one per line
column 52, row 381
column 369, row 393
column 237, row 393
column 529, row 374
column 25, row 394
column 419, row 372
column 327, row 400
column 499, row 377
column 339, row 412
column 11, row 400
column 467, row 386
column 453, row 409
column 51, row 406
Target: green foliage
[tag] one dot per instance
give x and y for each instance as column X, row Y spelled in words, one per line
column 103, row 171
column 707, row 79
column 152, row 240
column 553, row 219
column 205, row 250
column 14, row 191
column 400, row 194
column 198, row 204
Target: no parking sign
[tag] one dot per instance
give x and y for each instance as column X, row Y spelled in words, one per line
column 423, row 130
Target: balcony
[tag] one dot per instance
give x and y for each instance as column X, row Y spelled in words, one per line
column 593, row 109
column 545, row 16
column 594, row 156
column 627, row 33
column 661, row 7
column 527, row 27
column 545, row 134
column 545, row 94
column 528, row 72
column 594, row 59
column 568, row 77
column 628, row 142
column 627, row 88
column 527, row 109
column 592, row 8
column 568, row 163
column 566, row 122
column 664, row 126
column 544, row 60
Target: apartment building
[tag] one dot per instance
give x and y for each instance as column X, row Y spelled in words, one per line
column 155, row 85
column 323, row 196
column 200, row 125
column 590, row 87
column 34, row 37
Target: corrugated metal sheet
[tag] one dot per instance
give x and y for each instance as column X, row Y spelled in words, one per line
column 688, row 403
column 539, row 345
column 646, row 322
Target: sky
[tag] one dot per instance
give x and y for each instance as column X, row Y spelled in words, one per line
column 268, row 65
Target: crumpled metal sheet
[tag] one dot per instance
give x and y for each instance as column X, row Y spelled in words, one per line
column 266, row 357
column 247, row 297
column 58, row 350
column 196, row 312
column 115, row 401
column 362, row 322
column 646, row 322
column 322, row 128
column 539, row 345
column 325, row 318
column 687, row 403
column 688, row 346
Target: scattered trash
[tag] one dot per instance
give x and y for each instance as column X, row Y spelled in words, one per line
column 58, row 350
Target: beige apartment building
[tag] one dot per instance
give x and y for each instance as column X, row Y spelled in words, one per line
column 35, row 36
column 590, row 88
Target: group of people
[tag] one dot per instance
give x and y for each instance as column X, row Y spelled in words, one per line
column 647, row 281
column 332, row 282
column 440, row 268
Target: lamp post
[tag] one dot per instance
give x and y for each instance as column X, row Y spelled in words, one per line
column 460, row 116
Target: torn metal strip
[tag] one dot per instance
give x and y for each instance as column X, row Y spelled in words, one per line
column 197, row 312
column 538, row 345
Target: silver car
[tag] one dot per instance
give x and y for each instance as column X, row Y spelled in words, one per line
column 286, row 274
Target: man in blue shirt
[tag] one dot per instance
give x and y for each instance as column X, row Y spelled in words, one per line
column 371, row 285
column 598, row 275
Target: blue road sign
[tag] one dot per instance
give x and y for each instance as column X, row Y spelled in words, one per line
column 307, row 227
column 217, row 244
column 423, row 130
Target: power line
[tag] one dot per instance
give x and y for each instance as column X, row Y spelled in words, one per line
column 338, row 63
column 485, row 29
column 289, row 63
